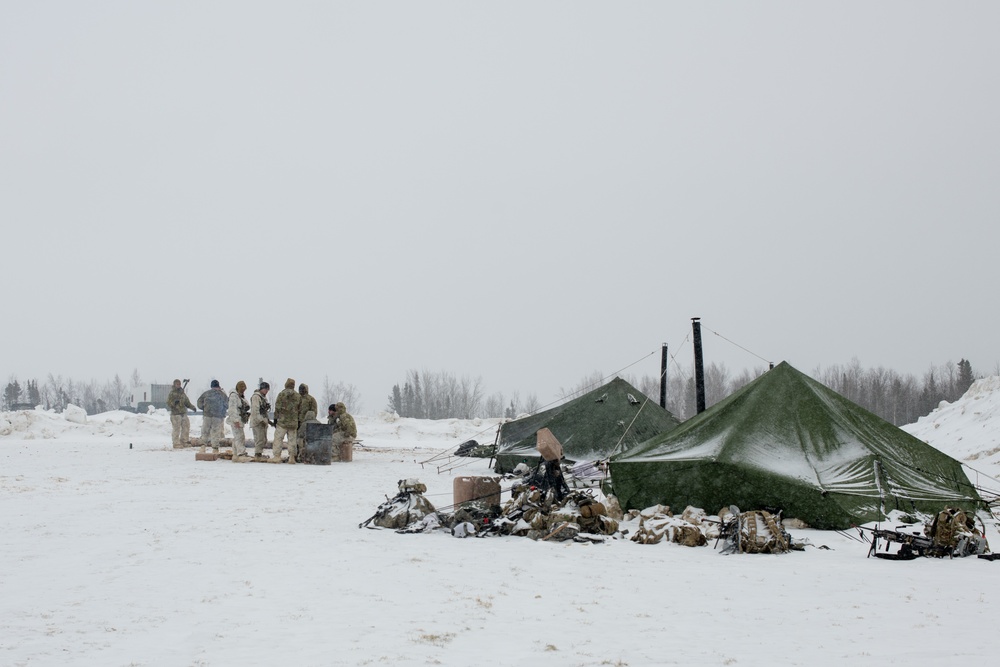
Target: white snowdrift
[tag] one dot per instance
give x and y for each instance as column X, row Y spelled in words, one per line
column 968, row 430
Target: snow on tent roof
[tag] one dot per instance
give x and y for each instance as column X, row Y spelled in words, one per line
column 786, row 441
column 589, row 427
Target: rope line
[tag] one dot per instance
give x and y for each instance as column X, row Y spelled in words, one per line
column 739, row 346
column 598, row 383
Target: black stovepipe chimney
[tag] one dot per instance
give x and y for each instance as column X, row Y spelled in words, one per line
column 663, row 377
column 699, row 367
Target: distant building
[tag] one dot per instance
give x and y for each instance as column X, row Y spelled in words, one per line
column 157, row 398
column 158, row 394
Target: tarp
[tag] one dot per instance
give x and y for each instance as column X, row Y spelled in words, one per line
column 786, row 441
column 589, row 427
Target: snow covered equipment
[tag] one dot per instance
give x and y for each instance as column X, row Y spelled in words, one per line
column 950, row 534
column 954, row 529
column 911, row 545
column 562, row 531
column 473, row 449
column 405, row 508
column 754, row 532
column 537, row 515
column 657, row 524
column 463, row 529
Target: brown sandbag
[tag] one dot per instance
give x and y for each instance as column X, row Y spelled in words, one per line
column 593, row 510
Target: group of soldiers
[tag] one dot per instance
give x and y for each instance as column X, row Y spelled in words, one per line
column 292, row 411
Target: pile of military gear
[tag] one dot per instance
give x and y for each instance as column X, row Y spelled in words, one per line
column 541, row 515
column 472, row 518
column 473, row 449
column 410, row 512
column 658, row 524
column 531, row 513
column 754, row 532
column 952, row 533
column 477, row 502
column 405, row 509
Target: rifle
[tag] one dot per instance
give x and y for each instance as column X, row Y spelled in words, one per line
column 912, row 545
column 382, row 509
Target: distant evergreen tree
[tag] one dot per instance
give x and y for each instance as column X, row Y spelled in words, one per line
column 408, row 400
column 965, row 377
column 396, row 401
column 418, row 398
column 11, row 393
column 34, row 396
column 930, row 396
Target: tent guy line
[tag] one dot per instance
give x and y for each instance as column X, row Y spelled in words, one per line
column 769, row 362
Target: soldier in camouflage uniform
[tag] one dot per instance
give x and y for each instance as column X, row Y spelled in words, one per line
column 238, row 416
column 344, row 428
column 307, row 413
column 286, row 422
column 178, row 403
column 260, row 419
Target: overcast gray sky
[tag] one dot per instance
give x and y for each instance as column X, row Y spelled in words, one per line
column 523, row 191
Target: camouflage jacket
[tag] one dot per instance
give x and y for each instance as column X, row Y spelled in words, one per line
column 345, row 422
column 214, row 403
column 178, row 403
column 307, row 404
column 260, row 409
column 286, row 408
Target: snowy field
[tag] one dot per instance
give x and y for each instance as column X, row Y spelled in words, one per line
column 119, row 550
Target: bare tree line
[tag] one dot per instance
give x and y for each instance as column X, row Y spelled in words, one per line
column 95, row 397
column 443, row 395
column 338, row 392
column 57, row 392
column 897, row 398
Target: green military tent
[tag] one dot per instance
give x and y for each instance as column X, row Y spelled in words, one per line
column 787, row 442
column 589, row 427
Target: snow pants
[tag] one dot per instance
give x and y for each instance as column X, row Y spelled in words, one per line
column 279, row 435
column 239, row 439
column 259, row 439
column 211, row 431
column 181, row 427
column 309, row 417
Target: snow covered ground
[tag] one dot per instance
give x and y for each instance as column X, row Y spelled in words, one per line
column 118, row 550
